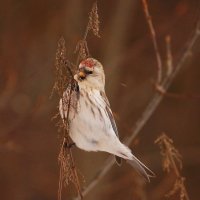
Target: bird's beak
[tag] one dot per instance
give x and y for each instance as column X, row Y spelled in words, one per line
column 81, row 75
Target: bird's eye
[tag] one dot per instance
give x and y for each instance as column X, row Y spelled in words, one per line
column 88, row 72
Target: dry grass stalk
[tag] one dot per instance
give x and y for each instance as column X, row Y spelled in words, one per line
column 154, row 40
column 172, row 162
column 63, row 73
column 64, row 81
column 169, row 152
column 93, row 25
column 82, row 49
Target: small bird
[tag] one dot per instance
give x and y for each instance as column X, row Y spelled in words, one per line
column 91, row 123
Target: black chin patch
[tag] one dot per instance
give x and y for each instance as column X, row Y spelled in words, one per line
column 81, row 78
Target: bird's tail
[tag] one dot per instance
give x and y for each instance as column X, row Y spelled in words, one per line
column 125, row 153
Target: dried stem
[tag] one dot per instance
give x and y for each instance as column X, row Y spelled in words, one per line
column 65, row 82
column 172, row 162
column 151, row 107
column 93, row 25
column 154, row 40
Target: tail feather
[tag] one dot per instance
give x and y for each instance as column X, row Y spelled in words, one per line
column 141, row 168
column 125, row 153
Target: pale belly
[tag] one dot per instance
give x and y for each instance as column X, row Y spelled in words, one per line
column 90, row 128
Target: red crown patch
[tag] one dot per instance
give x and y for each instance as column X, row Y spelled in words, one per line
column 88, row 63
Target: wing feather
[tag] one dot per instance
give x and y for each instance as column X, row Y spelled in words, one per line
column 110, row 115
column 112, row 121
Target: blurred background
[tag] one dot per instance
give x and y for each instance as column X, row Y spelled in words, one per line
column 29, row 141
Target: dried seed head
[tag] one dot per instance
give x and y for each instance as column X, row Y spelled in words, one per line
column 82, row 49
column 60, row 73
column 63, row 69
column 178, row 188
column 172, row 161
column 169, row 152
column 93, row 23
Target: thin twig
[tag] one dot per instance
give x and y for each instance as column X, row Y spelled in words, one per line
column 151, row 107
column 170, row 68
column 154, row 40
column 177, row 95
column 169, row 55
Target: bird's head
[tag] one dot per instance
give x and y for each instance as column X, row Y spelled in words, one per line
column 90, row 74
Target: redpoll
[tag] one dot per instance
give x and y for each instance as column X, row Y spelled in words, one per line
column 91, row 123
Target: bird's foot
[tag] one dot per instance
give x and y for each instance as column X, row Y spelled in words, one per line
column 70, row 145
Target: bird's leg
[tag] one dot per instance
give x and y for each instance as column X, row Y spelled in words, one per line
column 70, row 145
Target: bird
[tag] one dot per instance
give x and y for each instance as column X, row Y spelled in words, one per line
column 92, row 126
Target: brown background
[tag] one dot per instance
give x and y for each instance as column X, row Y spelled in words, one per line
column 29, row 142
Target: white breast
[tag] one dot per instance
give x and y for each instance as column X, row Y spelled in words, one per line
column 91, row 128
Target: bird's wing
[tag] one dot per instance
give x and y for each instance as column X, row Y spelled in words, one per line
column 109, row 112
column 112, row 120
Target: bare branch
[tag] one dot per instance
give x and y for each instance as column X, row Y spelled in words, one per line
column 169, row 55
column 154, row 40
column 177, row 95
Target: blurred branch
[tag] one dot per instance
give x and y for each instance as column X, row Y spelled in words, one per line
column 170, row 68
column 151, row 107
column 154, row 40
column 176, row 95
column 169, row 55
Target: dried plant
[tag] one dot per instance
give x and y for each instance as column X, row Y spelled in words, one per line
column 63, row 69
column 169, row 153
column 82, row 50
column 93, row 25
column 64, row 72
column 64, row 80
column 172, row 162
